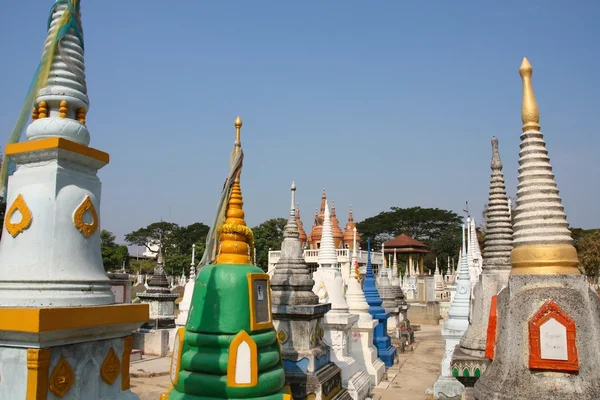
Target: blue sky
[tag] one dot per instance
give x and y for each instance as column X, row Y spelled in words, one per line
column 383, row 103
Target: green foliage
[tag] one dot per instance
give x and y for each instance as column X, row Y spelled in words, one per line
column 267, row 235
column 176, row 242
column 142, row 266
column 587, row 243
column 439, row 229
column 113, row 254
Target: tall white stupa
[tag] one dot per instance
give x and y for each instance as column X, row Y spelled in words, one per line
column 453, row 331
column 338, row 322
column 61, row 335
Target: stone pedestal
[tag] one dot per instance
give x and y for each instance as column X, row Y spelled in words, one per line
column 509, row 376
column 363, row 350
column 338, row 327
column 121, row 287
column 300, row 332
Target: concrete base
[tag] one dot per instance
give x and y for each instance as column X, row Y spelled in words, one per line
column 467, row 368
column 337, row 327
column 155, row 343
column 20, row 365
column 325, row 384
column 509, row 375
column 447, row 388
column 425, row 313
column 359, row 386
column 444, row 307
column 363, row 350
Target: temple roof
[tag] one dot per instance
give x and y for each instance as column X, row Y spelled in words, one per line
column 405, row 244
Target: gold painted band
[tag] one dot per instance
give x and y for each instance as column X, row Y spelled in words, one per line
column 37, row 320
column 544, row 259
column 56, row 143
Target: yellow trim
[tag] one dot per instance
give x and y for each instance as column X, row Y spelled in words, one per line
column 62, row 378
column 56, row 143
column 125, row 360
column 86, row 229
column 38, row 365
column 18, row 205
column 111, row 367
column 232, row 361
column 177, row 350
column 165, row 395
column 255, row 325
column 37, row 320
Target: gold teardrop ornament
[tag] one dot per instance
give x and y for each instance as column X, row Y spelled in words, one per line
column 14, row 228
column 87, row 229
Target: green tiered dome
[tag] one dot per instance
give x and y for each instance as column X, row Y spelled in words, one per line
column 229, row 348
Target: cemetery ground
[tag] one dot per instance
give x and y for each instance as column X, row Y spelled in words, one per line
column 415, row 372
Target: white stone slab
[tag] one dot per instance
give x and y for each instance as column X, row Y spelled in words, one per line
column 553, row 340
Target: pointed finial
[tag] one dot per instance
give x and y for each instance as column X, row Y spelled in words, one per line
column 238, row 129
column 291, row 228
column 235, row 238
column 496, row 160
column 529, row 111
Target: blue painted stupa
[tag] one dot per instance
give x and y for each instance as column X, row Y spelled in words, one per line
column 385, row 351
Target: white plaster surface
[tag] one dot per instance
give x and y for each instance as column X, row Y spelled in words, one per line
column 13, row 373
column 66, row 267
column 363, row 350
column 553, row 340
column 184, row 305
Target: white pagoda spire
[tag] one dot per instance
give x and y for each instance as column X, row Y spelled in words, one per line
column 61, row 105
column 540, row 222
column 327, row 255
column 355, row 296
column 329, row 285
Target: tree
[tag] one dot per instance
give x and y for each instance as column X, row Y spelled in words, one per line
column 142, row 266
column 439, row 229
column 113, row 254
column 176, row 242
column 160, row 234
column 587, row 243
column 268, row 235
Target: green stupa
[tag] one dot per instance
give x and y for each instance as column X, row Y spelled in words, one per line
column 229, row 348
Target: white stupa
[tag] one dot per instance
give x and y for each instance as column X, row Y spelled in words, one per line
column 338, row 322
column 62, row 335
column 362, row 348
column 186, row 301
column 453, row 331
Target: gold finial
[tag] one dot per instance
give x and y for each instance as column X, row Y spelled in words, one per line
column 238, row 128
column 236, row 240
column 529, row 111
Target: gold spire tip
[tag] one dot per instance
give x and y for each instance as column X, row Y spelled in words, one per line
column 238, row 122
column 529, row 111
column 525, row 68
